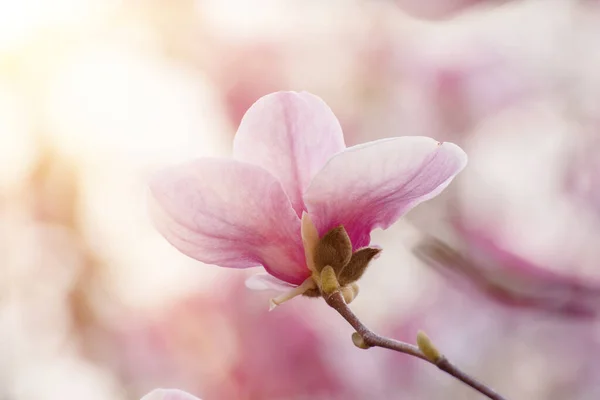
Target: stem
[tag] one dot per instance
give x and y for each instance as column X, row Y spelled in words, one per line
column 371, row 339
column 297, row 291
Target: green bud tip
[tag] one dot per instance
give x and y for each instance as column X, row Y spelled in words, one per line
column 427, row 347
column 359, row 341
column 329, row 282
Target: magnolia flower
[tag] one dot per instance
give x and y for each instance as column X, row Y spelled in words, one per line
column 168, row 394
column 293, row 188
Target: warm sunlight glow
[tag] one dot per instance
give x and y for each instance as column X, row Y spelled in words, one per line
column 112, row 101
column 21, row 20
column 17, row 150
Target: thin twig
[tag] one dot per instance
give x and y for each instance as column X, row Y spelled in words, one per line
column 371, row 339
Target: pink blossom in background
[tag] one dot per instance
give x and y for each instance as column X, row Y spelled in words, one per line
column 459, row 89
column 526, row 346
column 223, row 345
column 169, row 394
column 522, row 241
column 582, row 174
column 512, row 279
column 289, row 159
column 520, row 237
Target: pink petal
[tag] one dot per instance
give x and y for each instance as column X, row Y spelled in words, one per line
column 292, row 135
column 169, row 394
column 231, row 214
column 267, row 282
column 372, row 185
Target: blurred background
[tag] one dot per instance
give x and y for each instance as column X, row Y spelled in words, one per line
column 501, row 270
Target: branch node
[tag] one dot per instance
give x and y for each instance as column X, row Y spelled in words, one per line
column 363, row 336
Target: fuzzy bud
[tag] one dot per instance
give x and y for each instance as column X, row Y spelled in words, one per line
column 334, row 249
column 358, row 264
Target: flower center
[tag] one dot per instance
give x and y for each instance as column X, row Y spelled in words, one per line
column 333, row 264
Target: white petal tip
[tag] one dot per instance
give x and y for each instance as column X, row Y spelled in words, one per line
column 272, row 304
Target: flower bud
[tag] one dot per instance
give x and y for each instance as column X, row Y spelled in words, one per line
column 350, row 292
column 334, row 249
column 426, row 346
column 357, row 265
column 359, row 341
column 329, row 282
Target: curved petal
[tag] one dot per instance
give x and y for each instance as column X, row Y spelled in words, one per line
column 292, row 135
column 231, row 214
column 169, row 394
column 371, row 185
column 267, row 282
